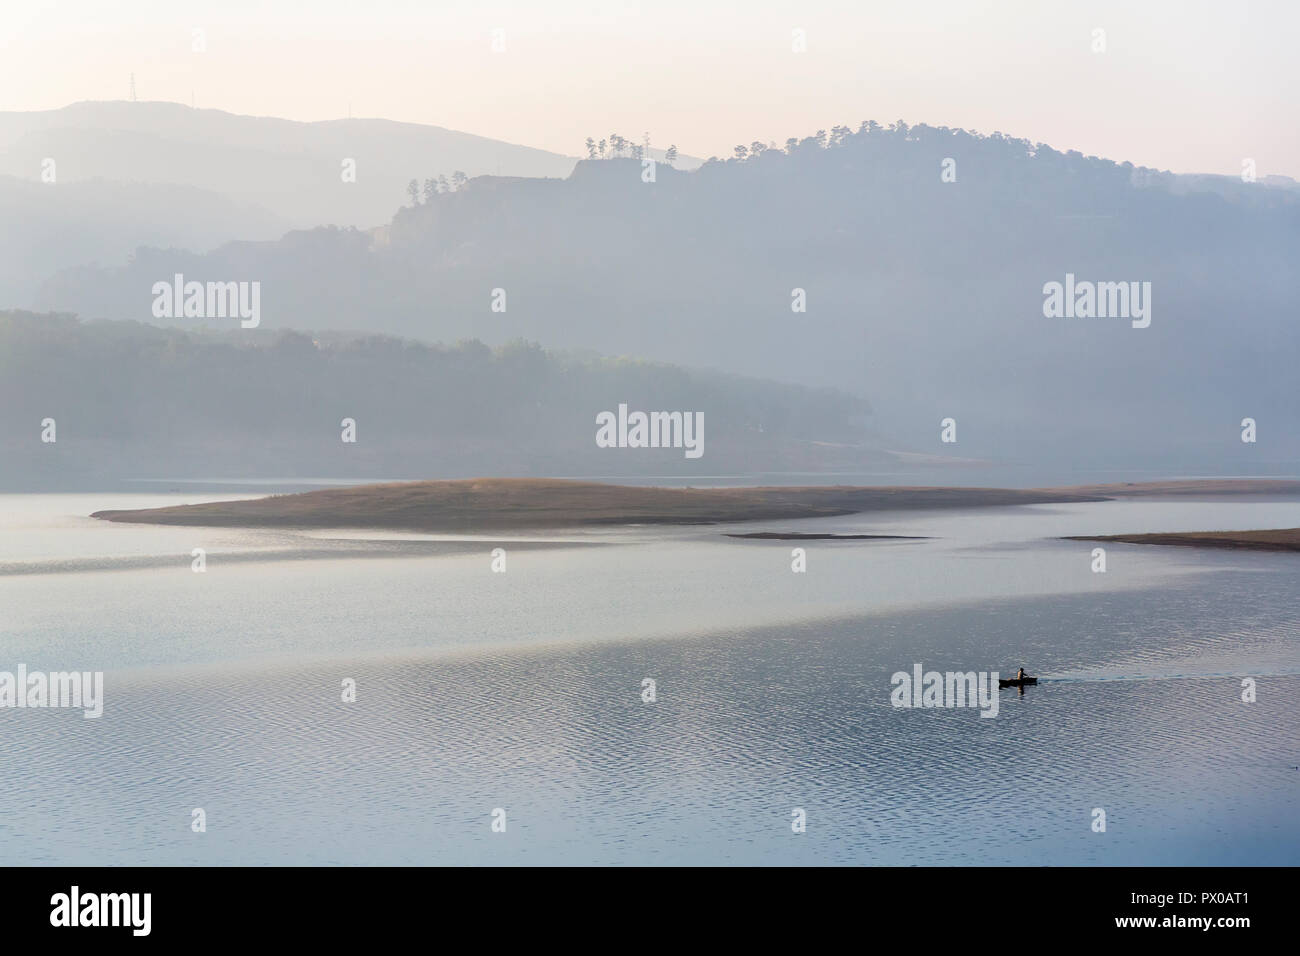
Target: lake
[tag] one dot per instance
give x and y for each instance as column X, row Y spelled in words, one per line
column 522, row 691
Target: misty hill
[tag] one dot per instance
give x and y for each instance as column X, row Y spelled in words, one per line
column 1230, row 186
column 50, row 227
column 294, row 170
column 135, row 401
column 924, row 295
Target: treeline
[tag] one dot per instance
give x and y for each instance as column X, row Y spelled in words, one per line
column 616, row 147
column 133, row 400
column 419, row 195
column 871, row 136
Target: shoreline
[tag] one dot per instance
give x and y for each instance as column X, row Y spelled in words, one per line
column 494, row 504
column 1274, row 539
column 825, row 536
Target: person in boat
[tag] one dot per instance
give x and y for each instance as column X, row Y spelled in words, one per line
column 1020, row 674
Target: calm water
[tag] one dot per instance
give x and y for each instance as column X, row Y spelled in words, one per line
column 521, row 690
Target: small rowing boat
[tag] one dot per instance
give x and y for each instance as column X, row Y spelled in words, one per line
column 1017, row 682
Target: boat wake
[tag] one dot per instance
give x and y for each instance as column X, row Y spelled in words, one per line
column 1109, row 678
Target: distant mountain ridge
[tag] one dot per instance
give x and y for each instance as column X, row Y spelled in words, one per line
column 922, row 293
column 292, row 169
column 88, row 184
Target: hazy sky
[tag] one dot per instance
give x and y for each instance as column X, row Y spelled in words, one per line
column 1187, row 85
